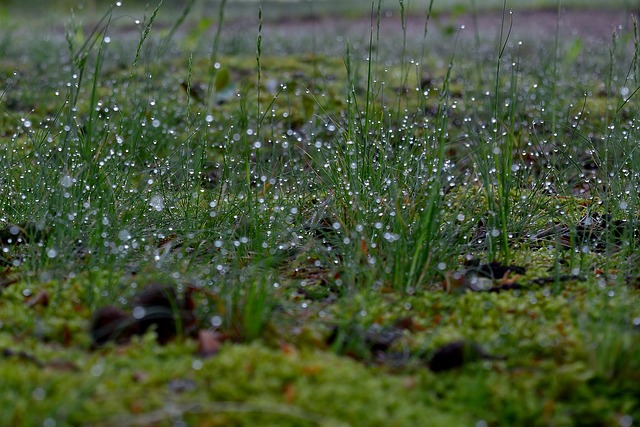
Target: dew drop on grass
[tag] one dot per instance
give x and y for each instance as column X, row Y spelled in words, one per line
column 623, row 205
column 442, row 266
column 124, row 235
column 38, row 394
column 52, row 253
column 157, row 203
column 626, row 421
column 138, row 312
column 66, row 181
column 216, row 321
column 97, row 369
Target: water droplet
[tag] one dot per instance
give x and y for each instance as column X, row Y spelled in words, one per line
column 216, row 321
column 97, row 369
column 124, row 235
column 157, row 202
column 52, row 253
column 66, row 181
column 38, row 393
column 626, row 421
column 138, row 312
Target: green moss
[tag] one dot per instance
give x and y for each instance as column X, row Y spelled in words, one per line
column 310, row 215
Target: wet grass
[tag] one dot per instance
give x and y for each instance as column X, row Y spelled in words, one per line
column 340, row 214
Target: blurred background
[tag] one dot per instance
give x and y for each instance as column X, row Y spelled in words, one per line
column 282, row 9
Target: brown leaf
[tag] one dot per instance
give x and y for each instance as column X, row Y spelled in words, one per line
column 41, row 298
column 62, row 365
column 6, row 281
column 208, row 343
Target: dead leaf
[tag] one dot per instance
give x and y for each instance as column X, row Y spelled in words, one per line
column 41, row 298
column 208, row 343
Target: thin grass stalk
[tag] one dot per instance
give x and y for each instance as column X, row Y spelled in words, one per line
column 178, row 22
column 145, row 34
column 213, row 56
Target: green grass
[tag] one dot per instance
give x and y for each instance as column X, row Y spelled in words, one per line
column 319, row 199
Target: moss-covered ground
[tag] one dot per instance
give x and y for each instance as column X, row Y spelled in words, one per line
column 390, row 227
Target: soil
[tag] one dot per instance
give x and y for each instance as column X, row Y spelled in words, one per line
column 592, row 24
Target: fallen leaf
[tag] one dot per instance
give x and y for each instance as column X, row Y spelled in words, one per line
column 41, row 298
column 208, row 343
